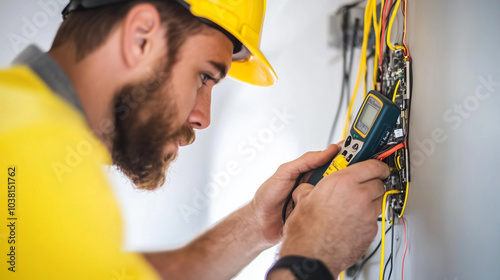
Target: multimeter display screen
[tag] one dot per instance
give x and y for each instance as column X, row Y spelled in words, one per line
column 367, row 117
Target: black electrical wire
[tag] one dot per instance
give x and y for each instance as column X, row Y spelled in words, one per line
column 345, row 46
column 392, row 90
column 345, row 20
column 389, row 260
column 365, row 260
column 385, row 57
column 408, row 118
column 392, row 246
column 345, row 89
column 347, row 70
column 385, row 149
column 351, row 59
column 391, row 257
column 391, row 10
column 368, row 57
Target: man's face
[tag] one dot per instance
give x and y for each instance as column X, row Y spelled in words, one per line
column 172, row 104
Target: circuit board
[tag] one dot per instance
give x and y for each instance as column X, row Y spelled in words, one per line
column 395, row 84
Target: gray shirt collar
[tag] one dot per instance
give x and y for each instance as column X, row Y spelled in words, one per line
column 51, row 73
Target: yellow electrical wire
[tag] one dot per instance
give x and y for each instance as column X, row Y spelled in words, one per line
column 371, row 16
column 382, row 246
column 362, row 67
column 395, row 91
column 377, row 27
column 368, row 18
column 398, row 158
column 390, row 28
column 372, row 7
column 406, row 199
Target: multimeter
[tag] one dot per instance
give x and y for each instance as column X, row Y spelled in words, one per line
column 370, row 131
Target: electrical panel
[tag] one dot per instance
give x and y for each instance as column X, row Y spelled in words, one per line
column 389, row 73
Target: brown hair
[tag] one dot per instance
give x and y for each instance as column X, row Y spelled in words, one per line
column 88, row 29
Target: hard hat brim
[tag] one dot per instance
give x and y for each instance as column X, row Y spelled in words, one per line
column 255, row 70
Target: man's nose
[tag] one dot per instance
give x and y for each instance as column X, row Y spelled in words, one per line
column 199, row 118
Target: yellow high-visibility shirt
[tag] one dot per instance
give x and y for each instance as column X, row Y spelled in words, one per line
column 58, row 215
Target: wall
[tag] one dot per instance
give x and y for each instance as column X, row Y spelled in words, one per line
column 453, row 199
column 453, row 226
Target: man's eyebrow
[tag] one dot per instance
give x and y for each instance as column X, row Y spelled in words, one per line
column 221, row 68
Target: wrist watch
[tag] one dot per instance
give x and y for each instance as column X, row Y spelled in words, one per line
column 303, row 268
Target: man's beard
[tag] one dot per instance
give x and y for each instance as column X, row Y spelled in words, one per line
column 145, row 117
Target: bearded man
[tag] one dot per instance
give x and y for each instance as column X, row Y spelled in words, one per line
column 127, row 83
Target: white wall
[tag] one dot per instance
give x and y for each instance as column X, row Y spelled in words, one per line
column 24, row 22
column 453, row 203
column 452, row 206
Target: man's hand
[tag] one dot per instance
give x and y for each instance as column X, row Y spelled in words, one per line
column 270, row 198
column 334, row 222
column 223, row 251
column 337, row 220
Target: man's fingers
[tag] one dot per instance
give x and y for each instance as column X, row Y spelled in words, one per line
column 375, row 188
column 377, row 206
column 301, row 191
column 307, row 162
column 370, row 194
column 367, row 170
column 298, row 194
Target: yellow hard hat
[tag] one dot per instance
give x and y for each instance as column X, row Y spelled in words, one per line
column 240, row 20
column 243, row 19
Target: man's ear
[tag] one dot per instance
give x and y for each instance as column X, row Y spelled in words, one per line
column 141, row 28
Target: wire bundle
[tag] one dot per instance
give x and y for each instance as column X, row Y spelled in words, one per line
column 395, row 85
column 362, row 63
column 387, row 21
column 381, row 23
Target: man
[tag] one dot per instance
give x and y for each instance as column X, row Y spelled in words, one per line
column 127, row 82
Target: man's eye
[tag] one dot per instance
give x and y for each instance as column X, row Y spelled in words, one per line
column 204, row 78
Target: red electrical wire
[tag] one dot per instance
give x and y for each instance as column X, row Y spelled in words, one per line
column 404, row 36
column 406, row 248
column 391, row 151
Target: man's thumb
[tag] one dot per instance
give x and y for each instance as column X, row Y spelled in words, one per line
column 301, row 192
